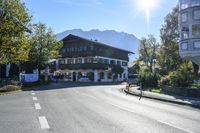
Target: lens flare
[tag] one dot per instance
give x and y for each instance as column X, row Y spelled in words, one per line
column 147, row 6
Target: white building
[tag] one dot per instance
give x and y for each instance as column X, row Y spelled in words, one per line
column 189, row 22
column 88, row 60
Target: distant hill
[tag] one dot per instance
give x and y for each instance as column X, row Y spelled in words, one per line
column 117, row 39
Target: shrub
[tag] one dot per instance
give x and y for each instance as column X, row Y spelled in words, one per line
column 183, row 77
column 148, row 78
column 9, row 88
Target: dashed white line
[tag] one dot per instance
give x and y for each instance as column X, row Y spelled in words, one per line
column 43, row 122
column 33, row 93
column 171, row 125
column 35, row 99
column 126, row 109
column 37, row 106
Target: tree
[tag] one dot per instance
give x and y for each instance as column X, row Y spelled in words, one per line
column 14, row 39
column 182, row 77
column 168, row 55
column 147, row 50
column 44, row 48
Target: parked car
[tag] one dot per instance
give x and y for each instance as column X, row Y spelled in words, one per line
column 84, row 79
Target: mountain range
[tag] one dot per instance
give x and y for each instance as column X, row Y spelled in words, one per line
column 110, row 37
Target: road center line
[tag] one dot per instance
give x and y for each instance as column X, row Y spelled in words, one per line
column 43, row 122
column 35, row 99
column 37, row 106
column 33, row 93
column 171, row 125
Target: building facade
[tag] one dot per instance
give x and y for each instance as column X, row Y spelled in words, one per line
column 89, row 60
column 189, row 22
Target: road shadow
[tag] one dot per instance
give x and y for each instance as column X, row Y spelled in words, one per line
column 66, row 85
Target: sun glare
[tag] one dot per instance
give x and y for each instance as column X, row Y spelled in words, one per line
column 147, row 6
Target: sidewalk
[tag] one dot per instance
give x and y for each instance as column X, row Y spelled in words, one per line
column 194, row 102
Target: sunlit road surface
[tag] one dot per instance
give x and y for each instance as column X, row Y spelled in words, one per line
column 83, row 108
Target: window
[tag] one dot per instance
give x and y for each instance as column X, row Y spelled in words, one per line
column 109, row 75
column 197, row 44
column 70, row 61
column 90, row 48
column 106, row 61
column 196, row 31
column 75, row 49
column 80, row 49
column 101, row 60
column 78, row 60
column 88, row 60
column 72, row 49
column 62, row 61
column 184, row 46
column 124, row 64
column 195, row 2
column 112, row 62
column 196, row 14
column 184, row 4
column 118, row 62
column 85, row 48
column 185, row 33
column 63, row 50
column 184, row 17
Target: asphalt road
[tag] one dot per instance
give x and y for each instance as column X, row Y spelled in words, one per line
column 84, row 108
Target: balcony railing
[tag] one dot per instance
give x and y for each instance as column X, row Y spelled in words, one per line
column 84, row 66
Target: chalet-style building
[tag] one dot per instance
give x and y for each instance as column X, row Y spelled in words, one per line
column 88, row 60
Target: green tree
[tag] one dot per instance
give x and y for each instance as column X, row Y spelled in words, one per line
column 182, row 77
column 45, row 47
column 147, row 51
column 14, row 39
column 168, row 55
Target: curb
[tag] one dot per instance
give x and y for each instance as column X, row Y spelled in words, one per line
column 162, row 99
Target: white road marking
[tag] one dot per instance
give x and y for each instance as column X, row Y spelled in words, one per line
column 33, row 93
column 172, row 125
column 43, row 122
column 35, row 99
column 37, row 106
column 93, row 97
column 126, row 109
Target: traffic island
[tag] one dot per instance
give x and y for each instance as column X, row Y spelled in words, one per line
column 193, row 102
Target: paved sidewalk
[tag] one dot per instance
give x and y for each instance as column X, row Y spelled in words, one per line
column 194, row 102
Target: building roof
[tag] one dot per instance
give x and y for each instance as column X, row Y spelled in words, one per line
column 96, row 42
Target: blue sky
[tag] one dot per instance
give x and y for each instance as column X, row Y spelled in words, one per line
column 119, row 15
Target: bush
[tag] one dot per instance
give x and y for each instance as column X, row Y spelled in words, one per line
column 148, row 78
column 183, row 77
column 9, row 88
